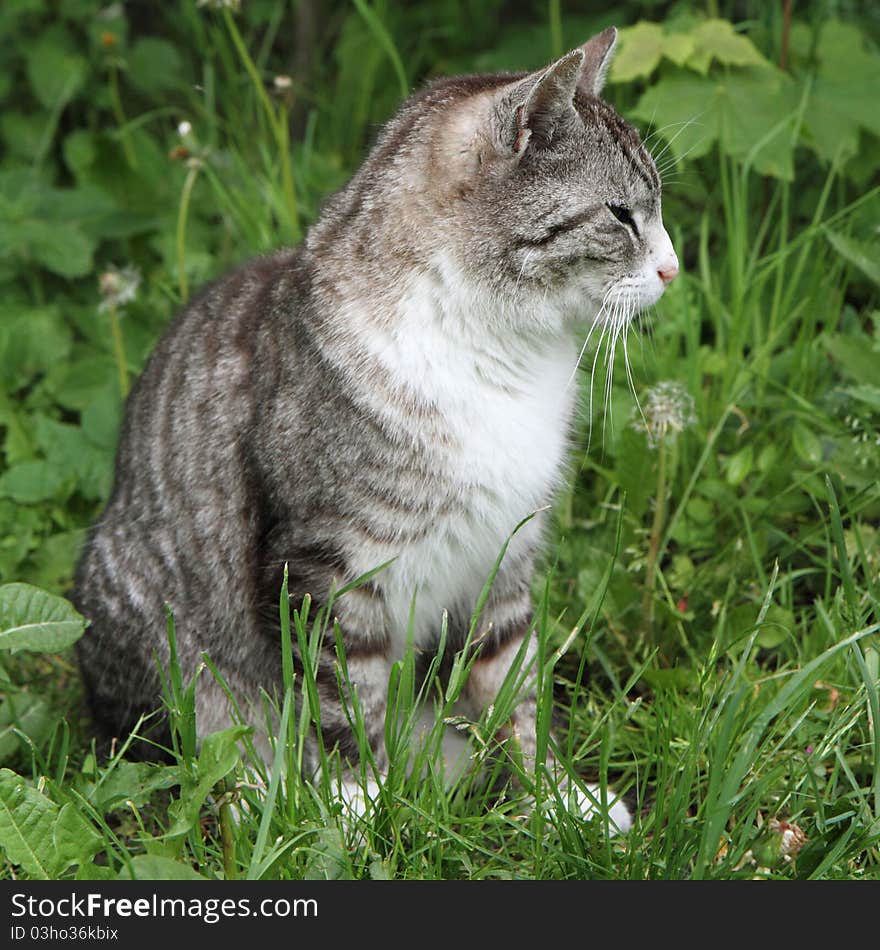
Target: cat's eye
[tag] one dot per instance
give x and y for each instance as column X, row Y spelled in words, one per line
column 624, row 216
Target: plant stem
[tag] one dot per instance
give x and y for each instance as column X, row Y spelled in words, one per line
column 122, row 121
column 227, row 835
column 786, row 30
column 119, row 350
column 277, row 122
column 182, row 215
column 656, row 534
column 555, row 29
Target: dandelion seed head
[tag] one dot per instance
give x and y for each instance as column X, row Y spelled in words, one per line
column 118, row 286
column 668, row 409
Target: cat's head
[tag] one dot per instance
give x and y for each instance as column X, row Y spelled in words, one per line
column 551, row 192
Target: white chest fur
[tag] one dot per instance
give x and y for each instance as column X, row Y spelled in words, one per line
column 504, row 406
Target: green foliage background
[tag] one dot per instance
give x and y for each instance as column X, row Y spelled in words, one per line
column 173, row 140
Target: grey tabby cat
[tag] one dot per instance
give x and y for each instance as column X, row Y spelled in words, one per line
column 396, row 389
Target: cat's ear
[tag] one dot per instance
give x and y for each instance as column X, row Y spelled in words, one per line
column 538, row 107
column 598, row 52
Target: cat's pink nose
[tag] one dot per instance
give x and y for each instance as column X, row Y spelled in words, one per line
column 668, row 273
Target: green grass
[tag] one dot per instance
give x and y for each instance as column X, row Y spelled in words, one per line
column 709, row 608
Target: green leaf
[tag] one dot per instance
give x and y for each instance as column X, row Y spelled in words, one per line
column 776, row 627
column 749, row 112
column 848, row 74
column 858, row 358
column 641, row 47
column 27, row 823
column 639, row 50
column 101, row 419
column 218, row 757
column 739, row 466
column 682, row 106
column 717, row 39
column 154, row 867
column 27, row 713
column 864, row 256
column 75, row 840
column 806, row 444
column 32, row 619
column 154, row 66
column 61, row 247
column 32, row 340
column 55, row 74
column 84, row 381
column 328, row 857
column 51, row 565
column 80, row 150
column 71, row 456
column 844, row 93
column 23, row 135
column 34, row 481
column 131, row 781
column 755, row 111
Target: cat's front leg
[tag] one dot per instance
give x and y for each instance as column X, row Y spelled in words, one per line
column 507, row 645
column 354, row 693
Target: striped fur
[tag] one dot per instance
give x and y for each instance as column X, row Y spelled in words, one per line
column 396, row 389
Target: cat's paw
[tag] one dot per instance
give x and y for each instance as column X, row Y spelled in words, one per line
column 358, row 799
column 588, row 804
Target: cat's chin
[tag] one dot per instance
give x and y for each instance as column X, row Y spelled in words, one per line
column 632, row 295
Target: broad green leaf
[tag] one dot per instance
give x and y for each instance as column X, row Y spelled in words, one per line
column 80, row 150
column 739, row 466
column 858, row 358
column 868, row 394
column 131, row 781
column 844, row 93
column 717, row 39
column 682, row 106
column 154, row 66
column 217, row 758
column 86, row 379
column 71, row 455
column 101, row 418
column 32, row 619
column 51, row 565
column 28, row 713
column 849, row 75
column 61, row 247
column 155, row 867
column 750, row 112
column 27, row 823
column 861, row 254
column 756, row 111
column 776, row 627
column 20, row 531
column 75, row 839
column 24, row 135
column 31, row 342
column 639, row 50
column 34, row 481
column 54, row 73
column 806, row 444
column 328, row 857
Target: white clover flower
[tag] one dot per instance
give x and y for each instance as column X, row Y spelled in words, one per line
column 184, row 128
column 668, row 409
column 118, row 287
